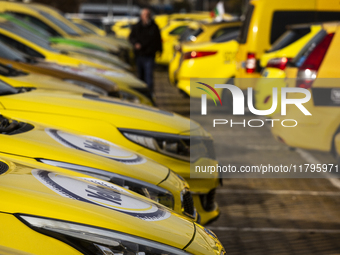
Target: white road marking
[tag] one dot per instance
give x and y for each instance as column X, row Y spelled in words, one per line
column 279, row 192
column 280, row 230
column 311, row 160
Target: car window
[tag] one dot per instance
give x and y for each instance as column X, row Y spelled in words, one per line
column 223, row 31
column 190, row 35
column 84, row 29
column 283, row 18
column 15, row 29
column 9, row 53
column 308, row 48
column 288, row 38
column 58, row 22
column 20, row 47
column 36, row 22
column 227, row 37
column 6, row 89
column 178, row 30
column 246, row 23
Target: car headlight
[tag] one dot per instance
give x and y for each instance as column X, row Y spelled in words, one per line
column 93, row 240
column 88, row 86
column 146, row 189
column 188, row 148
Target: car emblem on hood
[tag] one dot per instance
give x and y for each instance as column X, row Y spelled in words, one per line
column 96, row 146
column 101, row 193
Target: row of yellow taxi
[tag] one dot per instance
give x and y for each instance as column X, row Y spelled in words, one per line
column 294, row 44
column 87, row 165
column 276, row 44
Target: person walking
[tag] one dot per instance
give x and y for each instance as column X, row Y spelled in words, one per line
column 146, row 40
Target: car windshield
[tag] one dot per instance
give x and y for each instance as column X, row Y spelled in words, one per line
column 289, row 37
column 13, row 28
column 10, row 54
column 6, row 89
column 59, row 23
column 33, row 27
column 84, row 29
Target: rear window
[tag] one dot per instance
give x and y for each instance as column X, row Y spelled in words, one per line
column 178, row 30
column 190, row 35
column 307, row 49
column 245, row 26
column 224, row 31
column 227, row 37
column 289, row 37
column 283, row 18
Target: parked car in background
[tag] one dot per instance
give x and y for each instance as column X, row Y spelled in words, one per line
column 265, row 21
column 314, row 68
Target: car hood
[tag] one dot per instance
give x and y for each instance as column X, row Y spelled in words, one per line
column 119, row 113
column 80, row 199
column 55, row 147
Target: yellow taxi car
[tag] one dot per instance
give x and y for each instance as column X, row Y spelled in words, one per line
column 92, row 217
column 28, row 43
column 169, row 35
column 122, row 28
column 33, row 74
column 215, row 59
column 315, row 69
column 197, row 32
column 156, row 134
column 275, row 61
column 265, row 21
column 57, row 16
column 54, row 26
column 98, row 158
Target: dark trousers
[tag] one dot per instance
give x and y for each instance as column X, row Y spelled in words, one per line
column 145, row 66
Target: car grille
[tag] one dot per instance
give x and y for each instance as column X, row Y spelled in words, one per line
column 208, row 200
column 188, row 203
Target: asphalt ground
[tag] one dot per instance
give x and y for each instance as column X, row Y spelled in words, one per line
column 267, row 216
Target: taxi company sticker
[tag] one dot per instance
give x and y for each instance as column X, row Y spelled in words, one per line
column 101, row 193
column 96, row 146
